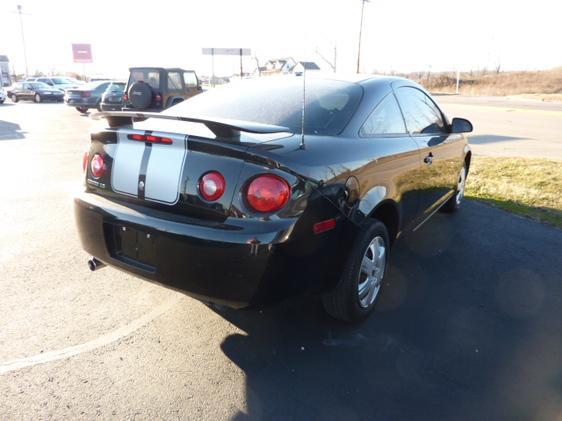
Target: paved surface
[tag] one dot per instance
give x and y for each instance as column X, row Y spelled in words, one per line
column 510, row 126
column 469, row 327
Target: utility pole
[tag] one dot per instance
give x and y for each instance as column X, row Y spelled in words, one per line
column 20, row 13
column 23, row 41
column 360, row 33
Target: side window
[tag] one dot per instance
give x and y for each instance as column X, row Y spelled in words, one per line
column 174, row 81
column 190, row 79
column 385, row 119
column 420, row 113
column 45, row 80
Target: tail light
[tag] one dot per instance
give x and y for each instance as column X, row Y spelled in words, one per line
column 150, row 138
column 125, row 96
column 268, row 193
column 212, row 186
column 86, row 94
column 97, row 165
column 158, row 98
column 85, row 161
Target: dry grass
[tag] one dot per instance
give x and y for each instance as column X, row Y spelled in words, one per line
column 494, row 83
column 529, row 187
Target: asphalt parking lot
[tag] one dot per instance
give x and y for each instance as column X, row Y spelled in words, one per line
column 469, row 327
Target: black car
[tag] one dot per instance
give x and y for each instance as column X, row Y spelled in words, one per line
column 112, row 98
column 35, row 91
column 228, row 198
column 86, row 96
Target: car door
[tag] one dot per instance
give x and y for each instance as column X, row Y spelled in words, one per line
column 397, row 167
column 26, row 91
column 441, row 152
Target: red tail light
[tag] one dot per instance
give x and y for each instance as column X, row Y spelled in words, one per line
column 85, row 161
column 86, row 94
column 268, row 193
column 97, row 166
column 158, row 98
column 125, row 96
column 150, row 138
column 212, row 186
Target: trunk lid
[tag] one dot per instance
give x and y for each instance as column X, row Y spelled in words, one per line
column 166, row 175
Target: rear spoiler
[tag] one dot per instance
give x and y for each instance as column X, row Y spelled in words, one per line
column 221, row 127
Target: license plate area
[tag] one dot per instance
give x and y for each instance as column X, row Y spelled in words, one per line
column 133, row 246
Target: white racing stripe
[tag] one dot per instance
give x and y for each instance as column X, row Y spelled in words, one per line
column 103, row 340
column 126, row 165
column 163, row 172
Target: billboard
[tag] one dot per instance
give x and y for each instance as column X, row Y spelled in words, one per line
column 227, row 51
column 82, row 53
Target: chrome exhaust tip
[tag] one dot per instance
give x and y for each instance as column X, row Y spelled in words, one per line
column 95, row 264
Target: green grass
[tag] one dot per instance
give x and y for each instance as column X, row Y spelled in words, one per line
column 528, row 187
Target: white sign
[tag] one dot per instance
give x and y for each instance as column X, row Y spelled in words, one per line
column 227, row 51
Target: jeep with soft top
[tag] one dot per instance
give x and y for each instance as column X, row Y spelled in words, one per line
column 157, row 88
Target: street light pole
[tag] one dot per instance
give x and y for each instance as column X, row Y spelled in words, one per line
column 360, row 33
column 23, row 41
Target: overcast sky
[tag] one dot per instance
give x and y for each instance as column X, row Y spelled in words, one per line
column 398, row 35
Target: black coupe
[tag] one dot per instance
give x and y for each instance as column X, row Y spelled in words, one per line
column 242, row 195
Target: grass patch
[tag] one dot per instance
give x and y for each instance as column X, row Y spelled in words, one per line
column 528, row 187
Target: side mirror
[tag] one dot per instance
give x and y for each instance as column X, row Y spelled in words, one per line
column 461, row 125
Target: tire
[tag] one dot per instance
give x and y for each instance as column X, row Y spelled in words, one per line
column 345, row 301
column 82, row 110
column 140, row 95
column 14, row 98
column 37, row 98
column 1, row 101
column 454, row 203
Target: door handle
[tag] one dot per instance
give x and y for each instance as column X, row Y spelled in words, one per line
column 428, row 159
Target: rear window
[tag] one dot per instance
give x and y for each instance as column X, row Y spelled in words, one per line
column 152, row 77
column 116, row 87
column 330, row 104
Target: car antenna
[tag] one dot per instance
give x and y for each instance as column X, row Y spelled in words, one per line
column 303, row 106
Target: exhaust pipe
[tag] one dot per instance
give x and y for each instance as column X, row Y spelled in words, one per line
column 95, row 264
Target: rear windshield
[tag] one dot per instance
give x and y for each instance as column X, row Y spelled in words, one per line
column 152, row 77
column 330, row 104
column 59, row 81
column 116, row 87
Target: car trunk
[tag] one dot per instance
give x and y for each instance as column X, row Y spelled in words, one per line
column 162, row 169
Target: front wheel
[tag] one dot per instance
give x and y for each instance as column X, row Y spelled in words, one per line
column 453, row 204
column 37, row 98
column 356, row 293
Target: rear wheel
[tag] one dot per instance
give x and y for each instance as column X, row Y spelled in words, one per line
column 453, row 204
column 37, row 98
column 356, row 293
column 14, row 98
column 82, row 110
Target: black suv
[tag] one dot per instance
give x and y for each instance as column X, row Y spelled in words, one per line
column 156, row 88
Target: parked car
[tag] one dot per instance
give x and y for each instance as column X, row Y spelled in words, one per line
column 2, row 95
column 34, row 91
column 156, row 88
column 60, row 82
column 112, row 98
column 86, row 96
column 228, row 198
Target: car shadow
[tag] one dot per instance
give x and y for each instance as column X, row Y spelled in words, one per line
column 461, row 331
column 484, row 139
column 10, row 131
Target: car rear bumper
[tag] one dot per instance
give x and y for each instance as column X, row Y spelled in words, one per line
column 110, row 107
column 78, row 102
column 232, row 263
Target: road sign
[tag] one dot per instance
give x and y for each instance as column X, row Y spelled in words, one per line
column 82, row 53
column 227, row 51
